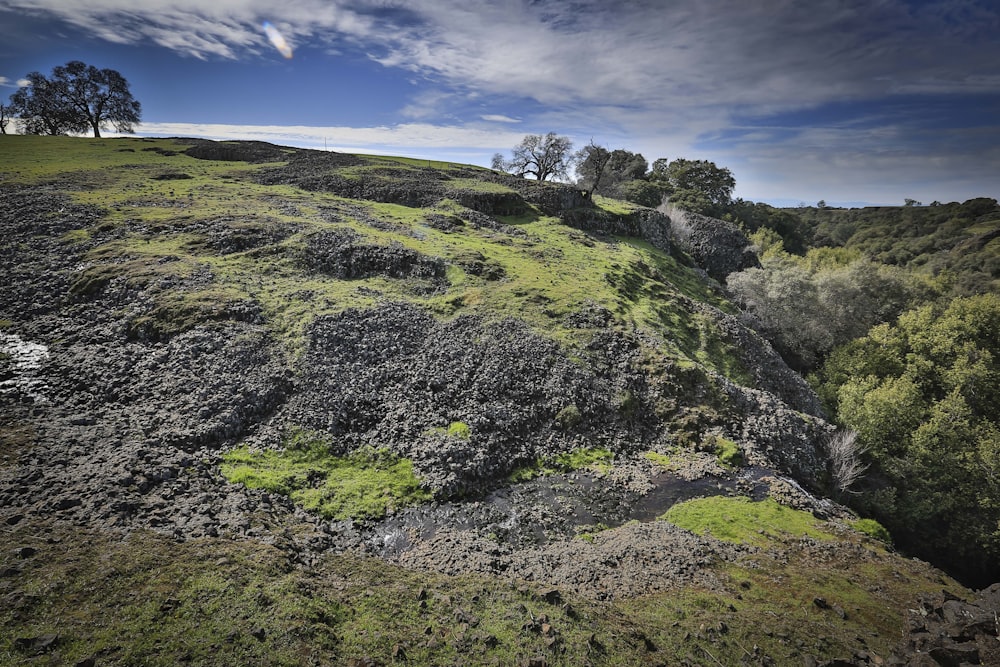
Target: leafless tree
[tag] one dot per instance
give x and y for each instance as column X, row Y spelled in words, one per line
column 846, row 466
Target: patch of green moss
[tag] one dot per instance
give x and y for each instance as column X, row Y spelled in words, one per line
column 873, row 529
column 741, row 520
column 728, row 452
column 459, row 430
column 661, row 460
column 365, row 484
column 597, row 460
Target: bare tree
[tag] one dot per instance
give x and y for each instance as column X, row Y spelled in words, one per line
column 543, row 157
column 846, row 466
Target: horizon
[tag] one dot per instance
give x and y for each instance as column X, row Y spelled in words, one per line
column 859, row 105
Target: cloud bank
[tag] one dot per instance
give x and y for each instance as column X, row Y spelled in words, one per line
column 667, row 77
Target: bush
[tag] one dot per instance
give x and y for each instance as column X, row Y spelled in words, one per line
column 569, row 417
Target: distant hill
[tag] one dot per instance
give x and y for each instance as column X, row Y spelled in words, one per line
column 960, row 242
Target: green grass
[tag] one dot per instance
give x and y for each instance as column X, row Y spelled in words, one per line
column 148, row 600
column 743, row 521
column 544, row 276
column 873, row 529
column 366, row 484
column 596, row 460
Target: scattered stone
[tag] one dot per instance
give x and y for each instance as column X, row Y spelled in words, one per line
column 25, row 552
column 36, row 645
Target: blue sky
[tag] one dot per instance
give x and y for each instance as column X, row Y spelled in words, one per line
column 843, row 100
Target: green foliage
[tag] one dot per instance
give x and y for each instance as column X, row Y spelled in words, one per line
column 808, row 305
column 758, row 216
column 922, row 396
column 366, row 484
column 741, row 520
column 700, row 178
column 873, row 529
column 643, row 193
column 955, row 245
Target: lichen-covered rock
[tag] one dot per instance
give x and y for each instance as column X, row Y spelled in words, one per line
column 716, row 245
column 342, row 254
column 645, row 223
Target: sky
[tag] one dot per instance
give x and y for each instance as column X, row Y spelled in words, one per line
column 847, row 101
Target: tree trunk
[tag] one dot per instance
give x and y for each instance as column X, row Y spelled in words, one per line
column 97, row 130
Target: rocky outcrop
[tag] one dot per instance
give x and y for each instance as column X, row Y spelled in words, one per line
column 948, row 630
column 341, row 253
column 717, row 246
column 237, row 151
column 643, row 223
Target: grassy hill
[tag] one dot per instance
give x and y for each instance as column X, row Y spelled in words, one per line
column 261, row 404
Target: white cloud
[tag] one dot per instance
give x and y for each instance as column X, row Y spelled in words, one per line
column 21, row 83
column 678, row 57
column 498, row 118
column 374, row 139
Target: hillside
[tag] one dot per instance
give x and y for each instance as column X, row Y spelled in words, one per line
column 263, row 404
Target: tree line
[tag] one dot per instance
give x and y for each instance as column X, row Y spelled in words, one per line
column 76, row 98
column 695, row 185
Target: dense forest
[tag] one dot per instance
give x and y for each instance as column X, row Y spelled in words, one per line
column 893, row 314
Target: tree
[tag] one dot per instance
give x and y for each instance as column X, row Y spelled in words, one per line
column 5, row 115
column 42, row 108
column 808, row 305
column 691, row 178
column 627, row 166
column 619, row 173
column 922, row 396
column 77, row 97
column 591, row 161
column 543, row 157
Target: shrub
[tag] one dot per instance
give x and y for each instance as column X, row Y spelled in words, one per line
column 569, row 417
